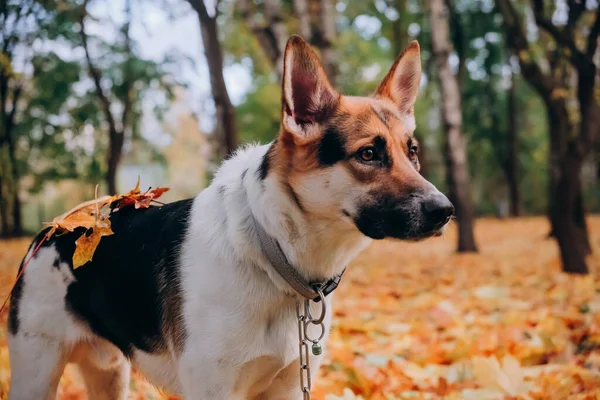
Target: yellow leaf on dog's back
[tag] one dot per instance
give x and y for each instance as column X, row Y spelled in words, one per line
column 86, row 245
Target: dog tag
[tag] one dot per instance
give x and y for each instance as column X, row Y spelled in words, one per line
column 317, row 349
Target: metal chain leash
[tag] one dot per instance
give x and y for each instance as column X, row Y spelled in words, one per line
column 305, row 319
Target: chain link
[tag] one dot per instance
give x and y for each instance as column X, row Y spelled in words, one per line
column 304, row 320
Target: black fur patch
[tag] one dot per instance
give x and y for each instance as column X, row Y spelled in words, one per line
column 331, row 148
column 263, row 169
column 130, row 292
column 381, row 145
column 15, row 299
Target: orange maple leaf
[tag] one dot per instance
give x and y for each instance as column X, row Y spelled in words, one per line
column 91, row 216
column 137, row 198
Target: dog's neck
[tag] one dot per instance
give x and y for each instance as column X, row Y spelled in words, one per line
column 318, row 248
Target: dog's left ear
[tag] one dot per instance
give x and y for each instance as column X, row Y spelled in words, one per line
column 308, row 99
column 401, row 84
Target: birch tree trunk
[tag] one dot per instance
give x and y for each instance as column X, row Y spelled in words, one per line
column 457, row 171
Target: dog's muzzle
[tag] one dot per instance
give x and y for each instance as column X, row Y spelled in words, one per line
column 415, row 216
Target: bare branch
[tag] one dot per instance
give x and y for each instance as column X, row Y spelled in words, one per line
column 562, row 37
column 516, row 39
column 271, row 35
column 592, row 41
column 200, row 8
column 95, row 72
column 10, row 118
column 128, row 79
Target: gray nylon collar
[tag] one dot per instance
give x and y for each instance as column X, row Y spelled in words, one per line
column 279, row 261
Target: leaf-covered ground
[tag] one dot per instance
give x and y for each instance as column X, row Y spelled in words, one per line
column 417, row 321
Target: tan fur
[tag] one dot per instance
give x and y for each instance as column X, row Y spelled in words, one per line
column 388, row 113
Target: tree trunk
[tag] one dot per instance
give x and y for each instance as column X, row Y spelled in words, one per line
column 16, row 229
column 115, row 151
column 4, row 227
column 568, row 217
column 400, row 28
column 565, row 208
column 17, row 220
column 305, row 25
column 568, row 152
column 316, row 19
column 456, row 156
column 225, row 128
column 17, row 224
column 271, row 32
column 327, row 37
column 512, row 161
column 568, row 148
column 115, row 136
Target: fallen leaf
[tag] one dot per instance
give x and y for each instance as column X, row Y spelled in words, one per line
column 506, row 377
column 84, row 215
column 86, row 245
column 94, row 218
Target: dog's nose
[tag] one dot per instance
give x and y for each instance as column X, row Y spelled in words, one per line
column 438, row 209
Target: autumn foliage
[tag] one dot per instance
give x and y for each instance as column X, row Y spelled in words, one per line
column 418, row 321
column 93, row 216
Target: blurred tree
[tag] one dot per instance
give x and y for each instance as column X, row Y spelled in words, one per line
column 120, row 79
column 267, row 23
column 485, row 77
column 560, row 67
column 317, row 24
column 270, row 22
column 511, row 161
column 225, row 129
column 34, row 87
column 14, row 33
column 456, row 155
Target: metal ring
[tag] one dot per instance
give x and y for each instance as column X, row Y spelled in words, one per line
column 319, row 320
column 320, row 337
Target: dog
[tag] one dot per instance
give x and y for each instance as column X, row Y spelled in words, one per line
column 188, row 293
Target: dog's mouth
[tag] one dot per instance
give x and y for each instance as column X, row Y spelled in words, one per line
column 437, row 232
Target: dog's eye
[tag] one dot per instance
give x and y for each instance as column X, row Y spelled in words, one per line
column 368, row 154
column 414, row 150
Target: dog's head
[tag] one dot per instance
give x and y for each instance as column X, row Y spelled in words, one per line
column 355, row 158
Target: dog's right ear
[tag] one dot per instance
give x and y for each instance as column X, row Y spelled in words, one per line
column 308, row 99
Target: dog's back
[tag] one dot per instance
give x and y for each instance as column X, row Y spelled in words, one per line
column 128, row 294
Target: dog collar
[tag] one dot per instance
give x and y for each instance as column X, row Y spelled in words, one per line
column 309, row 290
